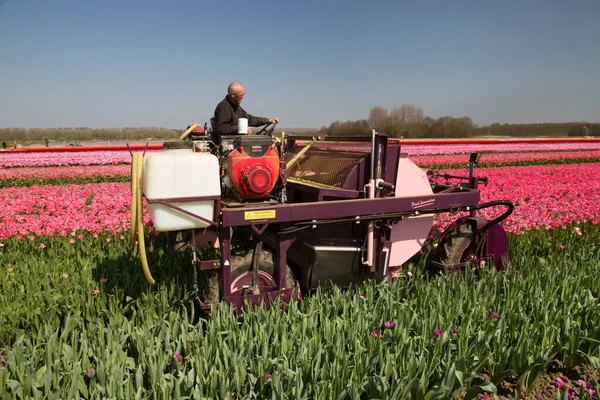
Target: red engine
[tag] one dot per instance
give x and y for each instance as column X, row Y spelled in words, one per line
column 253, row 175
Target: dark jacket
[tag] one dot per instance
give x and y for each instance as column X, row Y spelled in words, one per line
column 225, row 121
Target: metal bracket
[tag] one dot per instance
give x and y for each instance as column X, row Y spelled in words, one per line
column 454, row 209
column 261, row 230
column 210, row 264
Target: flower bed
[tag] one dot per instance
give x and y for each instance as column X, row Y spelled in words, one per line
column 15, row 177
column 47, row 159
column 545, row 196
column 419, row 150
column 509, row 159
column 59, row 210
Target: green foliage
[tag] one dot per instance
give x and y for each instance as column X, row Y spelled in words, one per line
column 408, row 121
column 542, row 129
column 131, row 340
column 20, row 182
column 85, row 133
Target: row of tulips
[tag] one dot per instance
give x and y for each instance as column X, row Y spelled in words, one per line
column 83, row 323
column 16, row 177
column 510, row 159
column 545, row 196
column 109, row 173
column 63, row 210
column 111, row 157
column 59, row 158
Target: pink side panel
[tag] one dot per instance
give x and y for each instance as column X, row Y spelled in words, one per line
column 408, row 235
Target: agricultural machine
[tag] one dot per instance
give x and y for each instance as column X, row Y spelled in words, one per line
column 294, row 213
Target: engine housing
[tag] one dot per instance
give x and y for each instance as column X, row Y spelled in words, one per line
column 253, row 166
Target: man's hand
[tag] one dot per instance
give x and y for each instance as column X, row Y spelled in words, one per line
column 249, row 131
column 274, row 121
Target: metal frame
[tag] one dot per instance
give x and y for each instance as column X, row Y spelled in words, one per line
column 347, row 204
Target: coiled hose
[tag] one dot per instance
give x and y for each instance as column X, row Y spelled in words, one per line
column 137, row 212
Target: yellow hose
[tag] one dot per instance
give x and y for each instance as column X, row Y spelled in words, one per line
column 187, row 132
column 140, row 214
column 137, row 212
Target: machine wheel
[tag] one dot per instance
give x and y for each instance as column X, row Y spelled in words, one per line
column 241, row 276
column 211, row 293
column 179, row 240
column 455, row 247
column 241, row 272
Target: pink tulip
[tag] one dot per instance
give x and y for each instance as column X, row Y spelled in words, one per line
column 561, row 382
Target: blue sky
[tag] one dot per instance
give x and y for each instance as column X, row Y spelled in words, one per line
column 115, row 63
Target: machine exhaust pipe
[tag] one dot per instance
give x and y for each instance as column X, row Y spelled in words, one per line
column 371, row 226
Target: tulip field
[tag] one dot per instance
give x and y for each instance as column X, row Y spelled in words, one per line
column 79, row 320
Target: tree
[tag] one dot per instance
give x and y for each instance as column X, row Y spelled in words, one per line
column 347, row 128
column 407, row 120
column 379, row 119
column 452, row 127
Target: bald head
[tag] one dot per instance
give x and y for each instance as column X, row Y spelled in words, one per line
column 235, row 87
column 236, row 92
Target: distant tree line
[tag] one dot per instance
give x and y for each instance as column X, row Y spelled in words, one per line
column 409, row 121
column 544, row 129
column 84, row 133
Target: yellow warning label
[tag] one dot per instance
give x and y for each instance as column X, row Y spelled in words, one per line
column 262, row 214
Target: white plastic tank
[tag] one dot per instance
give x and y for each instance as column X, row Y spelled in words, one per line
column 181, row 173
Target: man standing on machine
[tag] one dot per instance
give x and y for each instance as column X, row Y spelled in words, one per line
column 228, row 111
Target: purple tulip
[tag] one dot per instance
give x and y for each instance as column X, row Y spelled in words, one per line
column 493, row 314
column 587, row 387
column 267, row 377
column 388, row 325
column 561, row 382
column 437, row 333
column 376, row 333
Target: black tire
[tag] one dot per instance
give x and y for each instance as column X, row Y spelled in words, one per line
column 211, row 293
column 454, row 247
column 179, row 240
